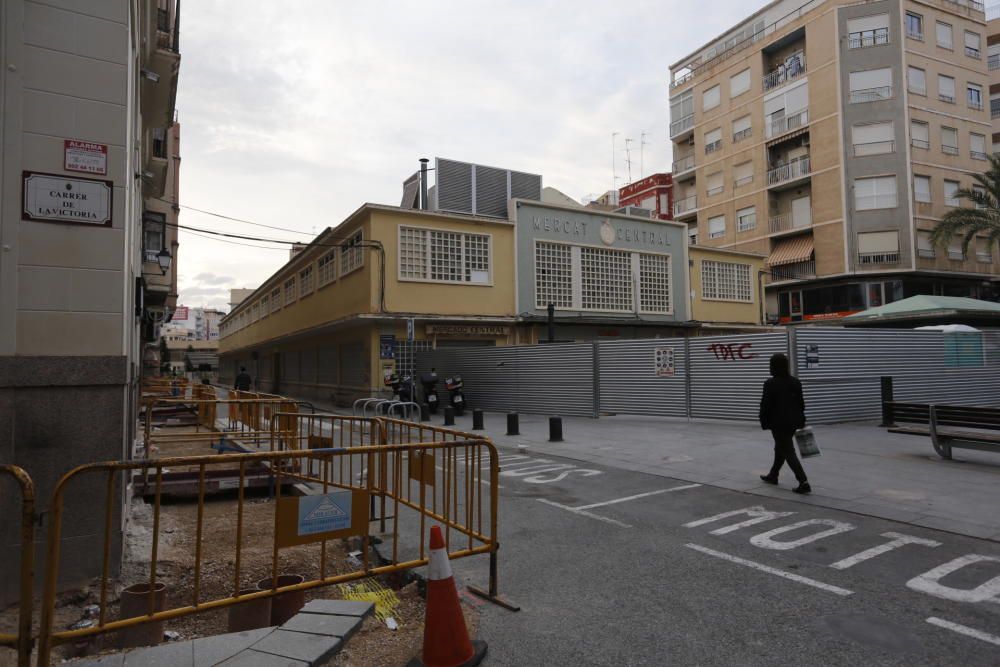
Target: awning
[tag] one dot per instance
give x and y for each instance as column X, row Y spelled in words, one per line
column 781, row 138
column 790, row 251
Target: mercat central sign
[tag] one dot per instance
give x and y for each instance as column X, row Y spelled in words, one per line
column 609, row 231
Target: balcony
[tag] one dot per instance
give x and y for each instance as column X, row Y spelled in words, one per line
column 867, row 39
column 785, row 222
column 994, row 111
column 786, row 124
column 685, row 207
column 683, row 165
column 878, row 257
column 866, row 95
column 797, row 271
column 994, row 60
column 681, row 126
column 783, row 74
column 793, row 171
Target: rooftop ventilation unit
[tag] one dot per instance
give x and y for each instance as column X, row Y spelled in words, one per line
column 473, row 189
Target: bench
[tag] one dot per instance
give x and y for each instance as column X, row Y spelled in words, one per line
column 949, row 426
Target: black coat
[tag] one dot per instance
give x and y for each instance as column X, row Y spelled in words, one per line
column 782, row 407
column 243, row 382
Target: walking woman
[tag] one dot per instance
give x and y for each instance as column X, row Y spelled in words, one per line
column 783, row 411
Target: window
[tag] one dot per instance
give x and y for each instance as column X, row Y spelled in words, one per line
column 873, row 138
column 972, row 44
column 920, row 135
column 159, row 141
column 681, row 113
column 693, row 236
column 352, row 254
column 726, row 281
column 914, row 26
column 742, row 174
column 742, row 128
column 951, row 193
column 916, row 80
column 264, row 306
column 153, row 235
column 977, row 146
column 943, row 32
column 871, row 85
column 974, row 96
column 446, row 256
column 553, row 275
column 949, row 140
column 739, row 83
column 290, row 291
column 878, row 247
column 254, row 311
column 327, row 268
column 306, row 281
column 984, row 250
column 654, row 283
column 922, row 189
column 786, row 110
column 955, row 250
column 275, row 299
column 713, row 140
column 714, row 184
column 981, row 192
column 867, row 31
column 874, row 193
column 711, row 98
column 717, row 227
column 746, row 219
column 946, row 88
column 606, row 279
column 924, row 246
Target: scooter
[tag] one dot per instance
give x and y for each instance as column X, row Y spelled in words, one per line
column 429, row 383
column 402, row 388
column 456, row 398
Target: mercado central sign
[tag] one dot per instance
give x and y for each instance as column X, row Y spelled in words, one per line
column 609, row 231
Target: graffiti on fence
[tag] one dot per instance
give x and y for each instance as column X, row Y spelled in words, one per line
column 732, row 351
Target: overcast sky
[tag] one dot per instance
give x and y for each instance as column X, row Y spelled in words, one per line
column 295, row 113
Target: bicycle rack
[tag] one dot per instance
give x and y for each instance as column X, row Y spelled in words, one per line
column 406, row 409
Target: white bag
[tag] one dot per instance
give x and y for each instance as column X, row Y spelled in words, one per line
column 806, row 440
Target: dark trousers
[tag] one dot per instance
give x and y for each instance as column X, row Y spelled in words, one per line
column 784, row 450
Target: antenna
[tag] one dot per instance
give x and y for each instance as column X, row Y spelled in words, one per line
column 628, row 157
column 614, row 174
column 642, row 144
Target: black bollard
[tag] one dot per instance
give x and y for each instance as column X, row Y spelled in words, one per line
column 887, row 416
column 477, row 420
column 555, row 429
column 512, row 428
column 449, row 415
column 425, row 412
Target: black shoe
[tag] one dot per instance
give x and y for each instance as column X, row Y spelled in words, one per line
column 769, row 480
column 803, row 488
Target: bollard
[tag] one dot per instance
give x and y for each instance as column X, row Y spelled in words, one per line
column 512, row 428
column 449, row 416
column 477, row 420
column 887, row 416
column 555, row 429
column 425, row 412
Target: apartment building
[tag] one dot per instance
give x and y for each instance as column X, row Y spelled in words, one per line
column 993, row 64
column 652, row 193
column 831, row 136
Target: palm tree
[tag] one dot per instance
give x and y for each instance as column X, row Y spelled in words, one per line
column 982, row 220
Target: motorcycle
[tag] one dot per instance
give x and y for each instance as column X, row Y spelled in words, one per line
column 429, row 383
column 402, row 388
column 456, row 398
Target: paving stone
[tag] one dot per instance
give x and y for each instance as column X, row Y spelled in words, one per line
column 338, row 607
column 113, row 660
column 209, row 651
column 313, row 649
column 323, row 624
column 174, row 654
column 251, row 658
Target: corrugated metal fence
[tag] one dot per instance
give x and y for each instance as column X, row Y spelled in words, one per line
column 720, row 377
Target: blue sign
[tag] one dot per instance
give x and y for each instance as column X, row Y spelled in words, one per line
column 323, row 513
column 387, row 346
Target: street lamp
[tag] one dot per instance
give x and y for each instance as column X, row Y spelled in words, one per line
column 163, row 258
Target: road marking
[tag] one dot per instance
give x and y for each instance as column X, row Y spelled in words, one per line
column 830, row 588
column 638, row 495
column 898, row 540
column 964, row 630
column 583, row 513
column 758, row 513
column 766, row 540
column 930, row 582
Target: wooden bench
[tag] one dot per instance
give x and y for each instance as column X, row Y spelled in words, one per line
column 949, row 426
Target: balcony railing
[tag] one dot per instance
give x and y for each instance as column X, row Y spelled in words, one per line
column 779, row 126
column 972, row 52
column 794, row 169
column 717, row 190
column 944, row 97
column 684, row 164
column 914, row 34
column 681, row 125
column 793, row 271
column 956, row 254
column 994, row 60
column 784, row 74
column 871, row 94
column 994, row 112
column 878, row 257
column 976, row 104
column 746, row 223
column 874, row 148
column 783, row 222
column 920, row 143
column 949, row 150
column 686, row 205
column 984, row 257
column 926, row 253
column 977, row 155
column 740, row 182
column 742, row 134
column 863, row 40
column 993, row 13
column 714, row 146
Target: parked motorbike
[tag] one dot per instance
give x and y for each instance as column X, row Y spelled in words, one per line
column 456, row 398
column 429, row 383
column 402, row 387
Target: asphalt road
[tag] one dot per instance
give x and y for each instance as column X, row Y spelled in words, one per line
column 613, row 567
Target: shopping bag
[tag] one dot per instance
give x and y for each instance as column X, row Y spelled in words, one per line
column 806, row 440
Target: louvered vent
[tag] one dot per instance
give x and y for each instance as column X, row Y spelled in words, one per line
column 411, row 192
column 525, row 186
column 491, row 192
column 454, row 186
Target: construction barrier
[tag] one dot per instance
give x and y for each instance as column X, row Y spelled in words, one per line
column 22, row 640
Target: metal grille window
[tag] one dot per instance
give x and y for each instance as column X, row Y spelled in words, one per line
column 290, row 291
column 553, row 275
column 427, row 254
column 306, row 281
column 327, row 268
column 446, row 256
column 477, row 258
column 726, row 281
column 654, row 283
column 606, row 279
column 275, row 299
column 352, row 254
column 412, row 253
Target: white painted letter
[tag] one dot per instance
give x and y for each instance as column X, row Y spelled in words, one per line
column 929, row 581
column 757, row 512
column 765, row 541
column 898, row 540
column 542, row 479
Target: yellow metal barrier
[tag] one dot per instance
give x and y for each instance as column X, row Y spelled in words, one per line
column 452, row 483
column 22, row 641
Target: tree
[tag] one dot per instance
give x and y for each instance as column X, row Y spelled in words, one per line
column 981, row 220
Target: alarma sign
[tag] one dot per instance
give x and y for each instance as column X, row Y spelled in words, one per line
column 54, row 198
column 85, row 156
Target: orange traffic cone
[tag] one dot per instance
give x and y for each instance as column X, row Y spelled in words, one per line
column 446, row 639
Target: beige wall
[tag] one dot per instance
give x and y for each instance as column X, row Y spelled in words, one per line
column 719, row 311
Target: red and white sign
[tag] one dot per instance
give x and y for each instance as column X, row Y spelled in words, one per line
column 85, row 156
column 180, row 314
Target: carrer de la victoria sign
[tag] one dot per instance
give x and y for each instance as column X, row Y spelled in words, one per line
column 609, row 232
column 54, row 198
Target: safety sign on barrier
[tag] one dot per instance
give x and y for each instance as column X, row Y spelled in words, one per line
column 305, row 519
column 663, row 361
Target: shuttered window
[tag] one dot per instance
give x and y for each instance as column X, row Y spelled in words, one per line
column 922, row 189
column 873, row 138
column 711, row 98
column 875, row 193
column 717, row 227
column 739, row 83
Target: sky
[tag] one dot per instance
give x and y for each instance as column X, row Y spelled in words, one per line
column 293, row 114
